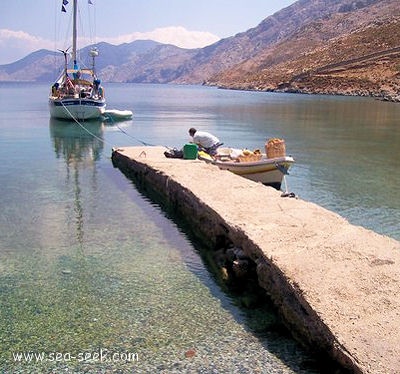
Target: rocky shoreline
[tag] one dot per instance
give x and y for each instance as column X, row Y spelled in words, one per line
column 383, row 96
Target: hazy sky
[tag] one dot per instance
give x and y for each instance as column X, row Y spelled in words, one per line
column 29, row 25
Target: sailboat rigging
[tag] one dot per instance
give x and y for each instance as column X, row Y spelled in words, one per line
column 77, row 94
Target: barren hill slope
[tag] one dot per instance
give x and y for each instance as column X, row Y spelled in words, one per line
column 350, row 48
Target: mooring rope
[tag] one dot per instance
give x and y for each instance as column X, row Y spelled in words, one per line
column 113, row 122
column 83, row 127
column 127, row 134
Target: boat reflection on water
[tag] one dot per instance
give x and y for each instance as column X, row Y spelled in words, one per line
column 81, row 147
column 77, row 143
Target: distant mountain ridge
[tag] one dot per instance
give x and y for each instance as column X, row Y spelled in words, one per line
column 139, row 61
column 348, row 47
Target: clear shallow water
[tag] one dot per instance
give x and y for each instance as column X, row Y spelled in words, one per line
column 88, row 264
column 347, row 149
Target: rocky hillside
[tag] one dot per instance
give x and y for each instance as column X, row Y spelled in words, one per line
column 349, row 47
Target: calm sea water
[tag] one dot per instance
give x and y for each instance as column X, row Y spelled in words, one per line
column 92, row 271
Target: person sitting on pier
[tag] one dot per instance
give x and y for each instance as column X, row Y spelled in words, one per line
column 205, row 141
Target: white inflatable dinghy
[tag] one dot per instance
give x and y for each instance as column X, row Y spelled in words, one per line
column 118, row 115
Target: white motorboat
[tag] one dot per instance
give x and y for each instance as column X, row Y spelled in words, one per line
column 256, row 167
column 77, row 94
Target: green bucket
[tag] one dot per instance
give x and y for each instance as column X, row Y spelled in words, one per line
column 190, row 151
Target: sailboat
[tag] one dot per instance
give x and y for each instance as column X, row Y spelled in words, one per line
column 77, row 94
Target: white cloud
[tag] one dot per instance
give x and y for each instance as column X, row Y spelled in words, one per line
column 17, row 44
column 176, row 35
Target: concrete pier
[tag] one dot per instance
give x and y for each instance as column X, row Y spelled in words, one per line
column 336, row 285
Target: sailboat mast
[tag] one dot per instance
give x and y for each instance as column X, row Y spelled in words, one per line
column 74, row 30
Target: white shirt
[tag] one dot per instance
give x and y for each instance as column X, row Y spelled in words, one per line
column 205, row 139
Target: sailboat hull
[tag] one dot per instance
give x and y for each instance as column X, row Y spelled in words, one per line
column 77, row 94
column 79, row 109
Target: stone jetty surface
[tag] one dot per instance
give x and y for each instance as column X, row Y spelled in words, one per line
column 336, row 285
